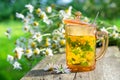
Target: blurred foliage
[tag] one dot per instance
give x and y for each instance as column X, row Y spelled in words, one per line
column 91, row 7
column 88, row 7
column 10, row 7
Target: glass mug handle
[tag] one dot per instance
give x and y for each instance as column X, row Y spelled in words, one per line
column 104, row 37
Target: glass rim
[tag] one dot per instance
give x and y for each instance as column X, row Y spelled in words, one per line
column 81, row 26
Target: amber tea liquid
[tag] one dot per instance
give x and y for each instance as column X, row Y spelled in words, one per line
column 80, row 52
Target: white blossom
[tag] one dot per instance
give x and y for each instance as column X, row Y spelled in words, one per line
column 49, row 9
column 62, row 42
column 31, row 43
column 22, row 39
column 47, row 42
column 43, row 15
column 30, row 7
column 86, row 19
column 19, row 52
column 112, row 5
column 59, row 32
column 32, row 32
column 48, row 52
column 68, row 11
column 19, row 15
column 62, row 69
column 49, row 67
column 20, row 42
column 26, row 28
column 38, row 11
column 45, row 18
column 8, row 33
column 114, row 28
column 36, row 51
column 104, row 29
column 56, row 32
column 47, row 21
column 10, row 58
column 115, row 34
column 37, row 36
column 28, row 19
column 61, row 50
column 17, row 65
column 65, row 14
column 28, row 52
column 61, row 25
column 30, row 16
column 57, row 68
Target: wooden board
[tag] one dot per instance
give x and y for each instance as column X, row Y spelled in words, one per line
column 108, row 68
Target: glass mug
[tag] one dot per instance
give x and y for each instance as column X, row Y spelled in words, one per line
column 81, row 46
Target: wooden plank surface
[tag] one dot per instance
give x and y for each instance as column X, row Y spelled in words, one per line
column 108, row 68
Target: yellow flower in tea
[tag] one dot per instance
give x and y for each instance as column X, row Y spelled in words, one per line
column 80, row 50
column 90, row 56
column 83, row 42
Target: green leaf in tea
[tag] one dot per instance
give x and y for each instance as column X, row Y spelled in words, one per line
column 84, row 63
column 86, row 47
column 76, row 50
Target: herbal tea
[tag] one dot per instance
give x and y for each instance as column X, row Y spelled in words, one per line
column 80, row 51
column 81, row 45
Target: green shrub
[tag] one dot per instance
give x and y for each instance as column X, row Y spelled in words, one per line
column 10, row 7
column 91, row 7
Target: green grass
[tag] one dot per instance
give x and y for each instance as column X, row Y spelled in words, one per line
column 116, row 22
column 6, row 47
column 113, row 22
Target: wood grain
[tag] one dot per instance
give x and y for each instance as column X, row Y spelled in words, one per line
column 108, row 68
